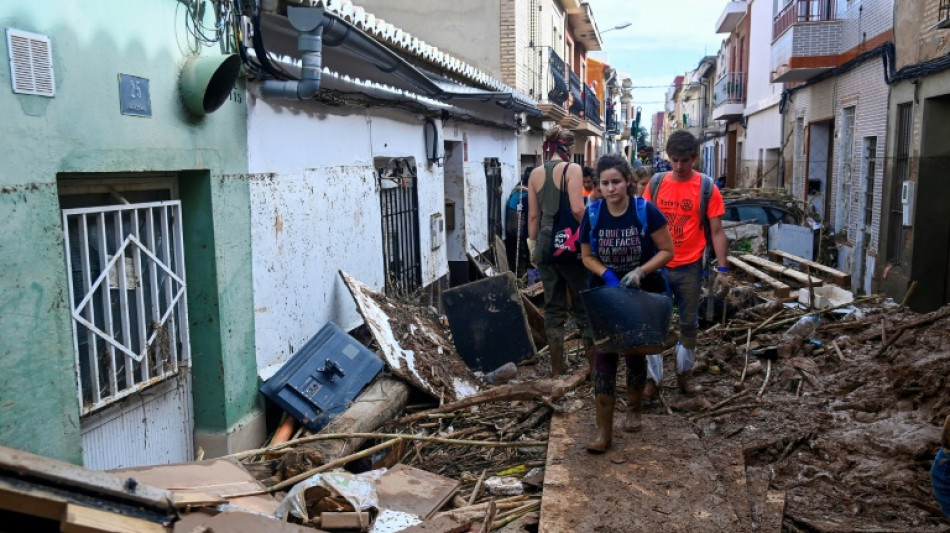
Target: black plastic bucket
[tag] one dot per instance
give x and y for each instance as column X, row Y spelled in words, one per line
column 628, row 321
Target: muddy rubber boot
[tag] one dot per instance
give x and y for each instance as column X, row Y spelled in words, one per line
column 633, row 422
column 603, row 435
column 558, row 363
column 687, row 385
column 650, row 391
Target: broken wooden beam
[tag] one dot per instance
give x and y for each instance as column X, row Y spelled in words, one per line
column 781, row 290
column 545, row 390
column 840, row 278
column 382, row 401
column 783, row 270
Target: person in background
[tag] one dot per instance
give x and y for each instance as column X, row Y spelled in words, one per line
column 642, row 179
column 678, row 197
column 588, row 184
column 940, row 471
column 516, row 223
column 621, row 248
column 721, row 182
column 544, row 194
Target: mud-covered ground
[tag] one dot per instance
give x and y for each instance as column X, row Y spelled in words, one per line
column 850, row 439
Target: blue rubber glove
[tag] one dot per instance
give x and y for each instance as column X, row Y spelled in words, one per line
column 610, row 279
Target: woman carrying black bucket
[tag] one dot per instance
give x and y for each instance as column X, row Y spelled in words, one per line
column 629, row 244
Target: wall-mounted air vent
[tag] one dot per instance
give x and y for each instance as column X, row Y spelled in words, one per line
column 31, row 63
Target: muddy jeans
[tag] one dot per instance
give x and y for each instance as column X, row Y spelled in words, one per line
column 605, row 372
column 685, row 284
column 940, row 478
column 557, row 280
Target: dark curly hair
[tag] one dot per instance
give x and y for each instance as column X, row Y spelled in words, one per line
column 615, row 161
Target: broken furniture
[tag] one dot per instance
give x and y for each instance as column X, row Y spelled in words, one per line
column 36, row 490
column 488, row 322
column 321, row 380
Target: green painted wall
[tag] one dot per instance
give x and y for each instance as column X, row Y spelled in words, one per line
column 82, row 131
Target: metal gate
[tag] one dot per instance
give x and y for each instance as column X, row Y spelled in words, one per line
column 399, row 204
column 494, row 191
column 130, row 331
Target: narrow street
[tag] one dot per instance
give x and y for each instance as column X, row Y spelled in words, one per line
column 349, row 266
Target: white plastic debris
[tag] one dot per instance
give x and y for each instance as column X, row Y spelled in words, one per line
column 504, row 486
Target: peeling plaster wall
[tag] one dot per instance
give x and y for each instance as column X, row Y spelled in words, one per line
column 315, row 209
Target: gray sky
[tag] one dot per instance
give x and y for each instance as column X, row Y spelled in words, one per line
column 667, row 38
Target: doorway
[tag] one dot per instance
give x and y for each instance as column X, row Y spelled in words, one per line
column 455, row 241
column 931, row 226
column 820, row 139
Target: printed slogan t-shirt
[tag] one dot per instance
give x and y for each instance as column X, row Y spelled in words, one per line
column 679, row 201
column 621, row 244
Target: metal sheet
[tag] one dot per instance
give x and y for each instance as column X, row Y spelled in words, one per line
column 152, row 427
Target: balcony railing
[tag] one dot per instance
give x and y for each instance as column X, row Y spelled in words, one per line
column 558, row 89
column 577, row 94
column 802, row 11
column 591, row 106
column 613, row 126
column 730, row 89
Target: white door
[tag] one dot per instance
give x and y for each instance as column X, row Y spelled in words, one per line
column 130, row 332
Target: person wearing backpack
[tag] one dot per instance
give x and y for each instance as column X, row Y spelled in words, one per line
column 555, row 208
column 694, row 209
column 625, row 240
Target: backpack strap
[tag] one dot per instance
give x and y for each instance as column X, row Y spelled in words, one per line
column 655, row 185
column 593, row 213
column 641, row 206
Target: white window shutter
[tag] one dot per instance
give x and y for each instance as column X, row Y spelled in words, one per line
column 31, row 63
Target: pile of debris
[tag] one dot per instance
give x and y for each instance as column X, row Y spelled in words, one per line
column 820, row 412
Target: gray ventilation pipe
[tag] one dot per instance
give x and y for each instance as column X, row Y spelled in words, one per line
column 308, row 21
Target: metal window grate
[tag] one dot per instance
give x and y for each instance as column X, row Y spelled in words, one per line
column 399, row 204
column 870, row 168
column 895, row 233
column 31, row 63
column 129, row 311
column 944, row 11
column 494, row 191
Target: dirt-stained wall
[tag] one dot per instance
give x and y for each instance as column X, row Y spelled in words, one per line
column 80, row 130
column 315, row 209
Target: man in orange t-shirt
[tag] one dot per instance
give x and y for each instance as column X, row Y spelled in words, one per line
column 678, row 197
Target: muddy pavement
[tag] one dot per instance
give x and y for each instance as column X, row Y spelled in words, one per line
column 849, row 438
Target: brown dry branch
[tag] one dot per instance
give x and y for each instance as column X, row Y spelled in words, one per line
column 545, row 391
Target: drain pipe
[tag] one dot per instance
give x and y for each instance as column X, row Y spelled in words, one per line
column 308, row 21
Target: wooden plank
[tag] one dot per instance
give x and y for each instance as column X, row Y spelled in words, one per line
column 781, row 290
column 345, row 520
column 841, row 278
column 501, row 255
column 783, row 270
column 773, row 512
column 68, row 476
column 442, row 524
column 535, row 321
column 237, row 522
column 31, row 501
column 79, row 519
column 186, row 499
column 655, row 480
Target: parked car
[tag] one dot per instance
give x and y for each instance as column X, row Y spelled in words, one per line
column 762, row 211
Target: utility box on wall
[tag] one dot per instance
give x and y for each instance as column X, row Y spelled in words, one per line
column 436, row 230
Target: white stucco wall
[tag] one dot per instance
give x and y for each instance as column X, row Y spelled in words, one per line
column 316, row 210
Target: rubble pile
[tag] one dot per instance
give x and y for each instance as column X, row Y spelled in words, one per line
column 814, row 417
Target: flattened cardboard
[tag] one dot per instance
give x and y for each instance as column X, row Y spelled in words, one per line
column 411, row 490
